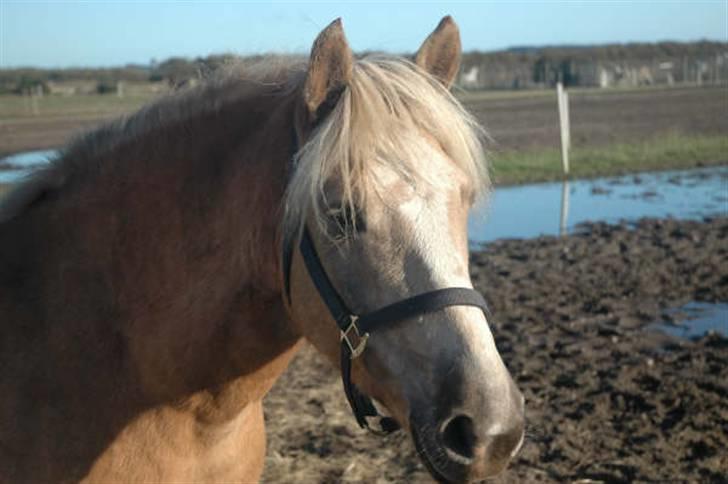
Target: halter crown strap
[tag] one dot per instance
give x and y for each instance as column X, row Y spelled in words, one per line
column 355, row 330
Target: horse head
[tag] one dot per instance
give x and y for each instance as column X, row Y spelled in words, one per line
column 387, row 168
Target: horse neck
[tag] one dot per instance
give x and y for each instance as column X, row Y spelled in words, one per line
column 182, row 223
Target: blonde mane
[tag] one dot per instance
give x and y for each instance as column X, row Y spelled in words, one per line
column 381, row 118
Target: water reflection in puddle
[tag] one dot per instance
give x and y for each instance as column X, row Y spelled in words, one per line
column 14, row 168
column 695, row 319
column 556, row 208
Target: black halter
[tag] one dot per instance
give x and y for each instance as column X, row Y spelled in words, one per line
column 356, row 329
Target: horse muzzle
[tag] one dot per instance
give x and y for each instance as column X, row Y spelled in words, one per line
column 467, row 443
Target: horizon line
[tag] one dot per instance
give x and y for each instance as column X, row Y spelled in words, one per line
column 404, row 54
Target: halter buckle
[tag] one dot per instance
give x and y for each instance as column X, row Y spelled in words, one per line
column 358, row 342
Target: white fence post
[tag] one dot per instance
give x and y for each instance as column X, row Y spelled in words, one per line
column 564, row 219
column 34, row 102
column 563, row 103
column 565, row 100
column 26, row 100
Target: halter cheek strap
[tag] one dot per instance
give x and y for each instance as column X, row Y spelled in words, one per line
column 355, row 330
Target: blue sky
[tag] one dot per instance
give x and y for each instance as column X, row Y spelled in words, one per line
column 104, row 33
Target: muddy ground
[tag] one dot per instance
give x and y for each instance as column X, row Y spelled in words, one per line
column 607, row 399
column 517, row 123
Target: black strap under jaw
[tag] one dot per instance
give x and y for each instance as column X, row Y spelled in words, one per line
column 356, row 329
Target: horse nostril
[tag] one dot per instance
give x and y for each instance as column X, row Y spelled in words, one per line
column 458, row 437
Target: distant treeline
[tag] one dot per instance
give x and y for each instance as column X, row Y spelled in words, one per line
column 599, row 65
column 608, row 52
column 513, row 68
column 174, row 70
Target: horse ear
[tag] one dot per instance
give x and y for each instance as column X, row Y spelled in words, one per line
column 440, row 52
column 329, row 71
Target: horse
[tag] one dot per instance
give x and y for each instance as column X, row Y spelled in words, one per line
column 159, row 275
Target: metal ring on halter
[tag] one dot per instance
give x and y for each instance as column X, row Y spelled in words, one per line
column 356, row 347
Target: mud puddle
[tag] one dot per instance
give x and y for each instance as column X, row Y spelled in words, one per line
column 558, row 208
column 694, row 320
column 14, row 168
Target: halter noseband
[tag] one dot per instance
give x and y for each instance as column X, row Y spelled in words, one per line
column 356, row 329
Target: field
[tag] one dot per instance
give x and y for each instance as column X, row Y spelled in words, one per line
column 612, row 131
column 601, row 118
column 58, row 118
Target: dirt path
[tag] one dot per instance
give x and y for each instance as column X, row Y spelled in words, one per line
column 607, row 400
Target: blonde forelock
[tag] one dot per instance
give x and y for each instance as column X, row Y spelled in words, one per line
column 381, row 118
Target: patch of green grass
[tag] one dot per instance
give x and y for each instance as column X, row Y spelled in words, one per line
column 662, row 153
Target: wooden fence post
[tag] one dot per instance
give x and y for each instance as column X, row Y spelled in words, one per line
column 563, row 103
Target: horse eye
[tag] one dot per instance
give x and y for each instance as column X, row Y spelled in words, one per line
column 344, row 224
